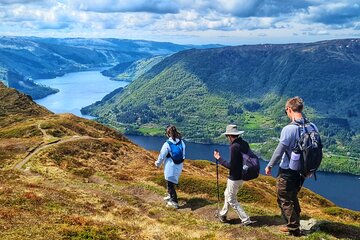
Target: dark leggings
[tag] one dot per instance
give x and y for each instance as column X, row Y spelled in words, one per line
column 171, row 191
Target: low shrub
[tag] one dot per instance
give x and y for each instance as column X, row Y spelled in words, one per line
column 91, row 233
column 21, row 132
column 342, row 212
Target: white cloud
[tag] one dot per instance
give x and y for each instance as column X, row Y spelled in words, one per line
column 103, row 6
column 335, row 13
column 157, row 18
column 9, row 2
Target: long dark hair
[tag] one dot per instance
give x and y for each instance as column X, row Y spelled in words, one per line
column 172, row 132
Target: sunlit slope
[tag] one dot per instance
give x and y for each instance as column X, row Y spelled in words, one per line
column 64, row 177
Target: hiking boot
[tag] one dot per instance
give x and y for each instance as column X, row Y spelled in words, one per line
column 222, row 219
column 295, row 233
column 172, row 204
column 284, row 229
column 167, row 198
column 247, row 222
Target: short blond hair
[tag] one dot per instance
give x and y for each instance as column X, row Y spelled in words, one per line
column 296, row 104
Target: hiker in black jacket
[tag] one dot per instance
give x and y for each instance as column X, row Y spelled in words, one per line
column 234, row 181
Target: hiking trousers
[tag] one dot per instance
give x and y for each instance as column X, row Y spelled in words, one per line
column 288, row 187
column 232, row 188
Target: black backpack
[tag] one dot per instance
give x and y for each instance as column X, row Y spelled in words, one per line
column 309, row 147
column 251, row 166
column 176, row 153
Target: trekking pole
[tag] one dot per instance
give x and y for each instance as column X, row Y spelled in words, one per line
column 217, row 187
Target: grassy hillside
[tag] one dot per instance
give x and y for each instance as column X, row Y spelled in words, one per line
column 204, row 90
column 18, row 106
column 63, row 177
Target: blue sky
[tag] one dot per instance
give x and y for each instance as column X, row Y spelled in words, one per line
column 184, row 21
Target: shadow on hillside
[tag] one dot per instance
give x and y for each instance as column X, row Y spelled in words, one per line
column 195, row 203
column 261, row 221
column 340, row 230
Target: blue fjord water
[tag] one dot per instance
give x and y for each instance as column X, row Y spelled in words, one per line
column 77, row 90
column 80, row 89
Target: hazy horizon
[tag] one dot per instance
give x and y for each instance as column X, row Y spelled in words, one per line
column 227, row 22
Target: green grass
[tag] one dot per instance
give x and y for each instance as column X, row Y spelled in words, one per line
column 201, row 164
column 151, row 130
column 91, row 233
column 336, row 211
column 254, row 120
column 21, row 131
column 197, row 185
column 319, row 236
column 155, row 189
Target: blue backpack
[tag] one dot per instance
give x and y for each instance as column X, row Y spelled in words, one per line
column 176, row 153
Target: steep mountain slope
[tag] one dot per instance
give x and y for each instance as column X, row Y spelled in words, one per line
column 63, row 177
column 25, row 85
column 15, row 103
column 203, row 90
column 25, row 58
column 130, row 71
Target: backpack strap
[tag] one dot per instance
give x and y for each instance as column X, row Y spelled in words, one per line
column 170, row 143
column 287, row 154
column 299, row 131
column 302, row 126
column 313, row 126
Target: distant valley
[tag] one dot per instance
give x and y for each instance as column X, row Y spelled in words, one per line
column 202, row 90
column 23, row 59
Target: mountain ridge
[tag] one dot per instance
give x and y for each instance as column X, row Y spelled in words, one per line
column 23, row 59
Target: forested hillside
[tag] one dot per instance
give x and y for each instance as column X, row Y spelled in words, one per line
column 203, row 90
column 129, row 71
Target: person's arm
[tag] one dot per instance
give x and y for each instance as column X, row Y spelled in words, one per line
column 224, row 163
column 287, row 134
column 221, row 160
column 277, row 155
column 162, row 156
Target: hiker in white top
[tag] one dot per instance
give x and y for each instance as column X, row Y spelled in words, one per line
column 172, row 170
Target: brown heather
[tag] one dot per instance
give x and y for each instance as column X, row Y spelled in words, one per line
column 63, row 177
